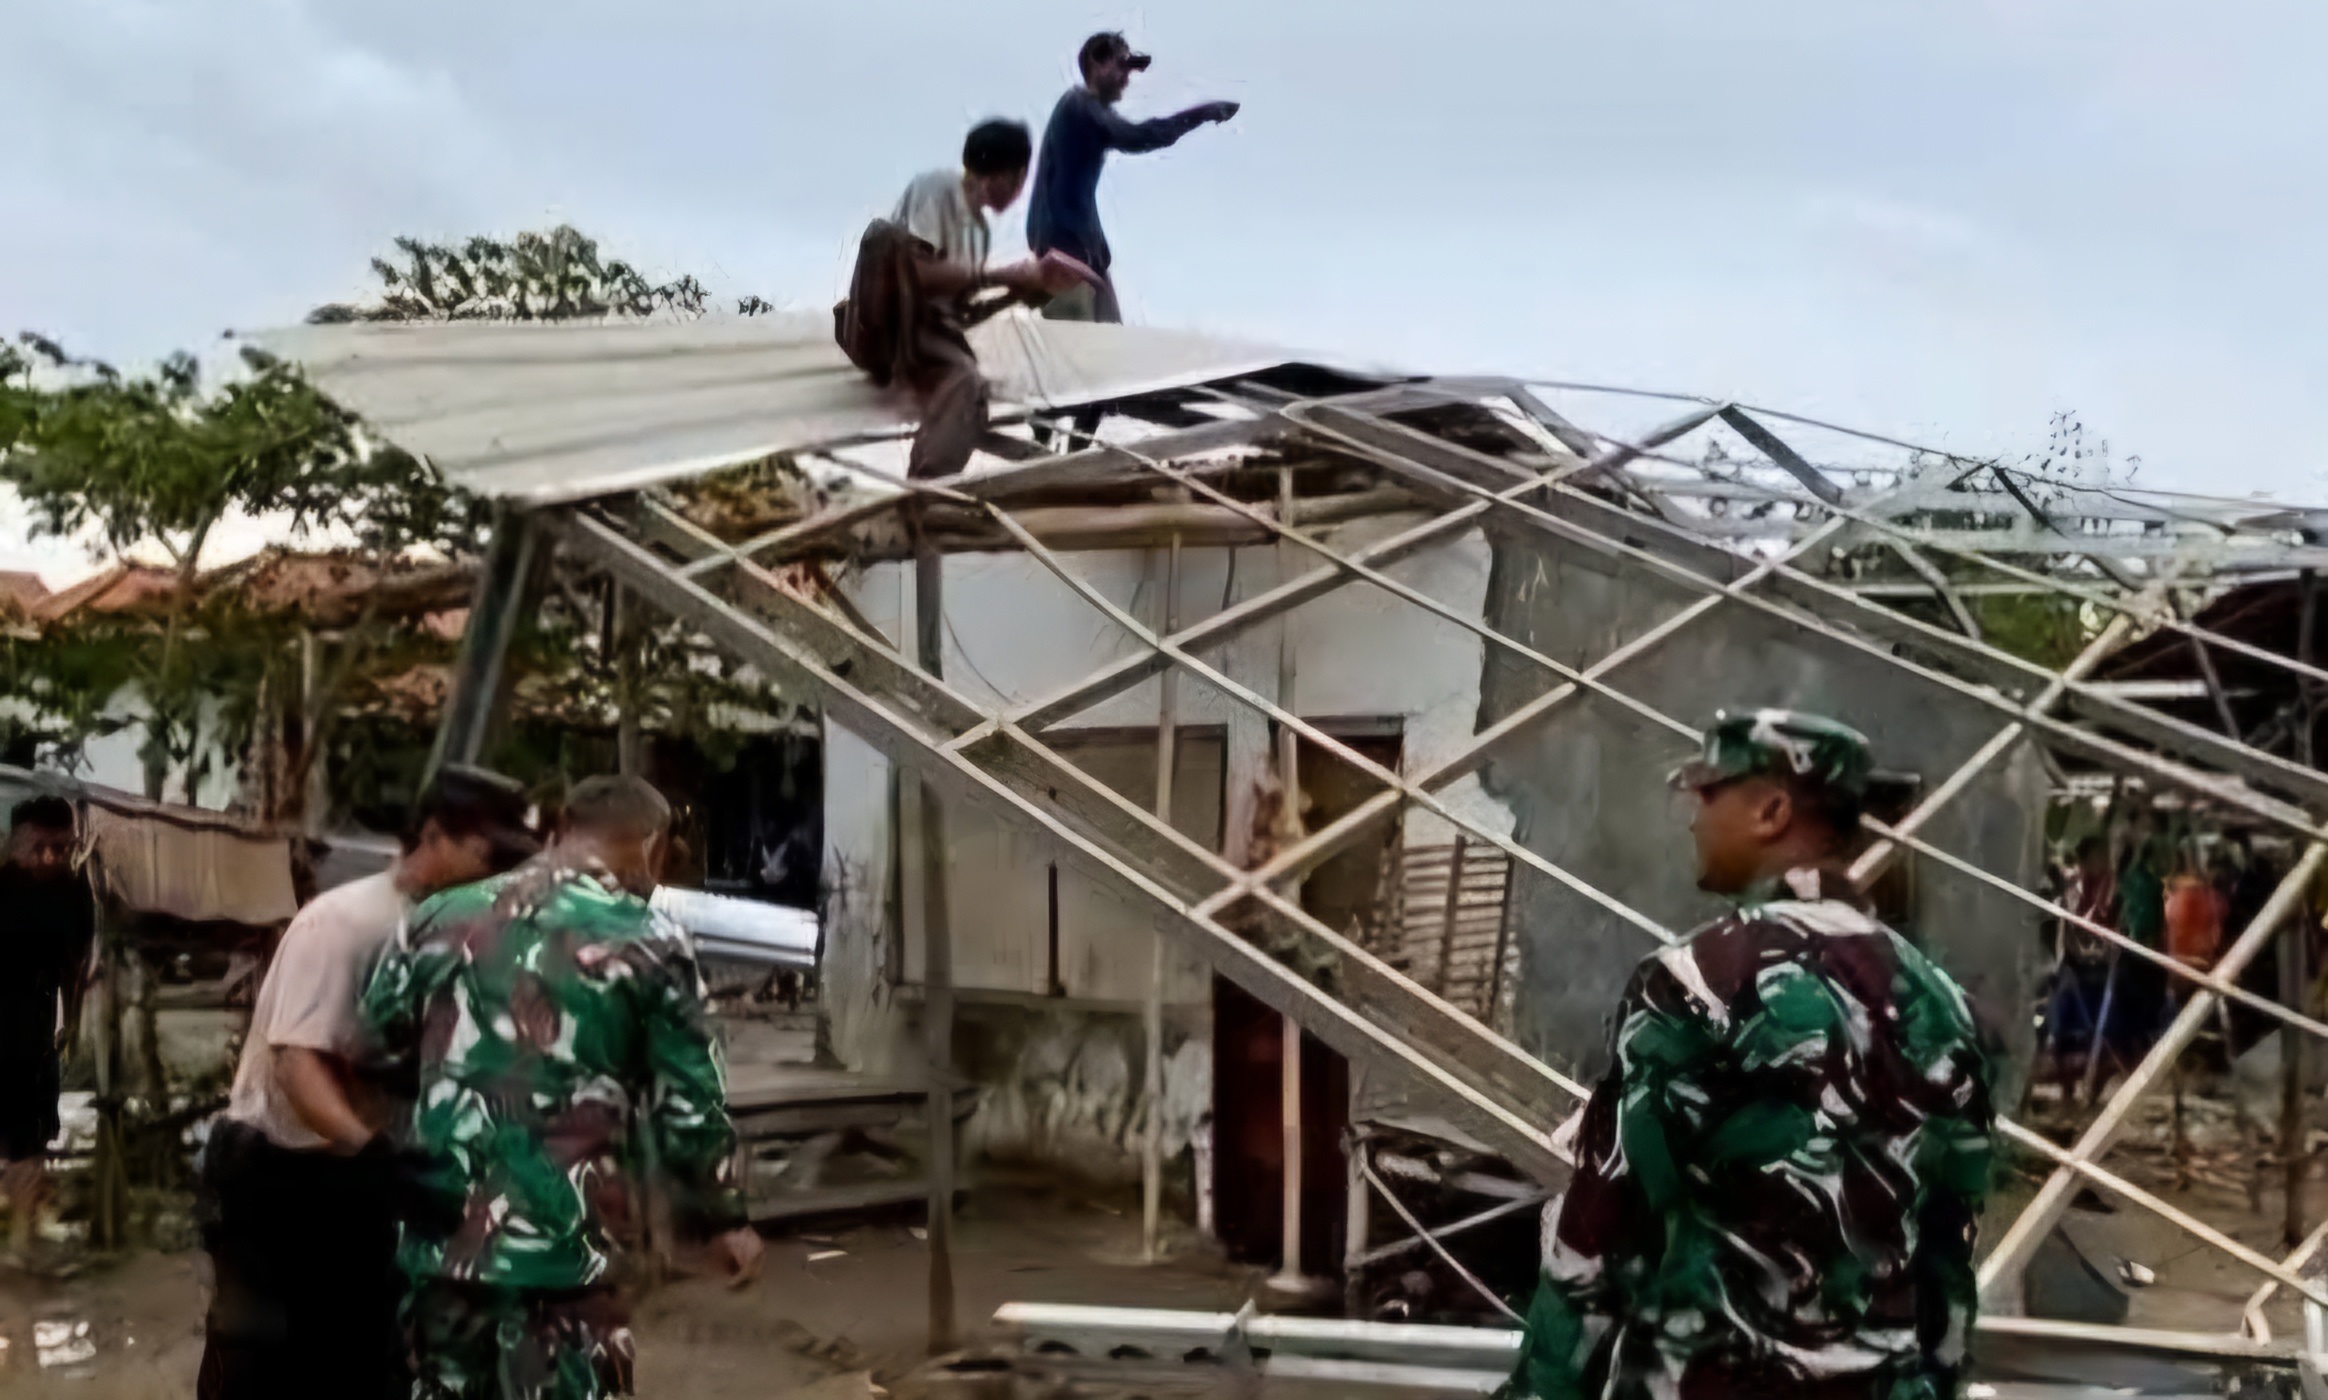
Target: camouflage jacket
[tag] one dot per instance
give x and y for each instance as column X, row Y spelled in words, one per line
column 558, row 1032
column 1778, row 1177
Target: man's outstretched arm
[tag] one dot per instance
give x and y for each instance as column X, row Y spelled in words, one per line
column 1121, row 133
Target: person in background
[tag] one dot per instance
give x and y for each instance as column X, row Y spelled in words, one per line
column 2195, row 905
column 301, row 1178
column 2082, row 965
column 556, row 1024
column 915, row 292
column 50, row 924
column 1778, row 1177
column 1063, row 215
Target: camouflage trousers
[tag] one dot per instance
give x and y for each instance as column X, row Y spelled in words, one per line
column 473, row 1342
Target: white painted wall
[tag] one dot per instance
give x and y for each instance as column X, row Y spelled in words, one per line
column 111, row 760
column 1015, row 633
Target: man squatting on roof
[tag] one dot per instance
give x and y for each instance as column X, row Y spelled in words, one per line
column 916, row 291
column 1778, row 1176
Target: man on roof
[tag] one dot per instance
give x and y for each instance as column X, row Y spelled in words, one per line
column 1063, row 215
column 921, row 281
column 1778, row 1176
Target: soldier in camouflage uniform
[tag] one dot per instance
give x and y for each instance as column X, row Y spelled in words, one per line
column 1777, row 1178
column 557, row 1025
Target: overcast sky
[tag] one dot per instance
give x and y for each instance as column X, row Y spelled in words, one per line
column 1939, row 220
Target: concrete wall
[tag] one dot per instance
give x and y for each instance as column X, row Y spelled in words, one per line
column 1014, row 633
column 1587, row 789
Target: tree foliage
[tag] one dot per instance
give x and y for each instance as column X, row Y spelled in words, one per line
column 158, row 461
column 161, row 459
column 551, row 276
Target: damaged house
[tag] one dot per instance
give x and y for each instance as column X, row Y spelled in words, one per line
column 1281, row 771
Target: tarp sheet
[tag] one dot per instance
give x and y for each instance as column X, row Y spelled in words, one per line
column 544, row 413
column 161, row 858
column 199, row 873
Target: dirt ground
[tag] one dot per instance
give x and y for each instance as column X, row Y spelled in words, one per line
column 2225, row 1178
column 838, row 1299
column 843, row 1303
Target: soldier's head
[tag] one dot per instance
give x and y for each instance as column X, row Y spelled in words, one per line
column 469, row 823
column 1775, row 789
column 624, row 823
column 40, row 837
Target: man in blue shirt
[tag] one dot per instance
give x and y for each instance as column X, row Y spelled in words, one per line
column 1063, row 215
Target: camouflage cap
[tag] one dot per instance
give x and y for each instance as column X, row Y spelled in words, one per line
column 1785, row 742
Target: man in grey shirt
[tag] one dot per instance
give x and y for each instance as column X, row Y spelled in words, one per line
column 299, row 1184
column 910, row 300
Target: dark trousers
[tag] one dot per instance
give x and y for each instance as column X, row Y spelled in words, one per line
column 952, row 397
column 1084, row 303
column 902, row 338
column 303, row 1253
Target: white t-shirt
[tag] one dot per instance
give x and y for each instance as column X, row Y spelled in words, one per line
column 935, row 208
column 311, row 995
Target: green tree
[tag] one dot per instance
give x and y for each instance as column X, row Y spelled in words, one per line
column 550, row 276
column 157, row 462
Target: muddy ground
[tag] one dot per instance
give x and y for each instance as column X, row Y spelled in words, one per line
column 840, row 1303
column 843, row 1303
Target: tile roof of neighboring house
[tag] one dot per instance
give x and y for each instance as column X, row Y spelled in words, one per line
column 20, row 589
column 119, row 589
column 329, row 590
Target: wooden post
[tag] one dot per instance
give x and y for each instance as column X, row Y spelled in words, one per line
column 108, row 1167
column 2307, row 699
column 1454, row 906
column 2295, row 966
column 316, row 803
column 2293, row 1159
column 1289, row 1275
column 629, row 755
column 937, row 971
column 1490, row 1013
column 1357, row 1205
column 1152, row 1084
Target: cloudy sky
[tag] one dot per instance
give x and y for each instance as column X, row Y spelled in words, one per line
column 1943, row 221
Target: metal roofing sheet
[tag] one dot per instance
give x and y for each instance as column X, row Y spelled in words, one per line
column 558, row 412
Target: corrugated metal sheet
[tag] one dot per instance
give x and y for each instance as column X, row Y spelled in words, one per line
column 559, row 412
column 1445, row 920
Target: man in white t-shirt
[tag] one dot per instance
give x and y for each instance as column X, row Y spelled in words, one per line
column 301, row 1185
column 909, row 305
